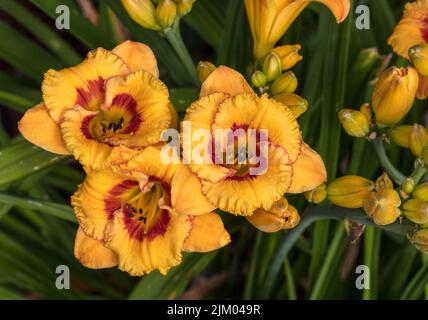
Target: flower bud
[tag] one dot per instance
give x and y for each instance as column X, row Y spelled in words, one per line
column 143, row 12
column 295, row 103
column 289, row 55
column 408, row 185
column 349, row 191
column 259, row 79
column 421, row 192
column 204, row 69
column 383, row 206
column 365, row 109
column 418, row 139
column 400, row 135
column 416, row 211
column 184, row 6
column 166, row 12
column 317, row 195
column 272, row 66
column 280, row 216
column 420, row 240
column 354, row 122
column 286, row 83
column 394, row 94
column 424, row 157
column 419, row 56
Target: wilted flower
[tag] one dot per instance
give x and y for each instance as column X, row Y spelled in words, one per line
column 349, row 191
column 383, row 206
column 280, row 216
column 394, row 94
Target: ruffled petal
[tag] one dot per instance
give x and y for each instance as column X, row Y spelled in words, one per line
column 81, row 85
column 200, row 115
column 412, row 28
column 207, row 234
column 308, row 171
column 146, row 101
column 141, row 253
column 137, row 56
column 78, row 138
column 40, row 129
column 98, row 198
column 225, row 80
column 93, row 253
column 186, row 193
column 243, row 195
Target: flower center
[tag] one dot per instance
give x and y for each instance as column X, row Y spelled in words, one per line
column 143, row 207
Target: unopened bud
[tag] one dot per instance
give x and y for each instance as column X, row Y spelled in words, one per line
column 418, row 139
column 419, row 57
column 421, row 192
column 420, row 240
column 349, row 191
column 400, row 135
column 317, row 195
column 295, row 103
column 166, row 12
column 272, row 66
column 408, row 185
column 184, row 6
column 289, row 55
column 416, row 211
column 259, row 79
column 204, row 69
column 143, row 12
column 354, row 122
column 286, row 83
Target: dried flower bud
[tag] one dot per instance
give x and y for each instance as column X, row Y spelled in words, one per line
column 383, row 206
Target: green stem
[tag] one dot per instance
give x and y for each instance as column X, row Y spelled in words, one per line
column 174, row 38
column 312, row 214
column 372, row 238
column 418, row 174
column 393, row 172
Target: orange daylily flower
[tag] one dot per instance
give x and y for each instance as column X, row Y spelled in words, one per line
column 270, row 19
column 112, row 98
column 227, row 102
column 139, row 216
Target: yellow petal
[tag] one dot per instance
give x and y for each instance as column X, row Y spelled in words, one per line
column 207, row 233
column 200, row 115
column 76, row 133
column 225, row 80
column 411, row 30
column 141, row 253
column 40, row 129
column 92, row 253
column 97, row 199
column 137, row 56
column 308, row 171
column 82, row 84
column 422, row 93
column 186, row 196
column 241, row 196
column 386, row 215
column 146, row 98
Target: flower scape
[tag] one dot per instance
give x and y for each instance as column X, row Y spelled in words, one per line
column 108, row 114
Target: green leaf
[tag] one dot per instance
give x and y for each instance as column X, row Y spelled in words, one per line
column 61, row 211
column 181, row 98
column 21, row 53
column 156, row 286
column 44, row 34
column 83, row 30
column 22, row 158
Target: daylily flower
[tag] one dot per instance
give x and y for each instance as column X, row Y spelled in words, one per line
column 112, row 98
column 270, row 19
column 412, row 28
column 142, row 214
column 227, row 102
